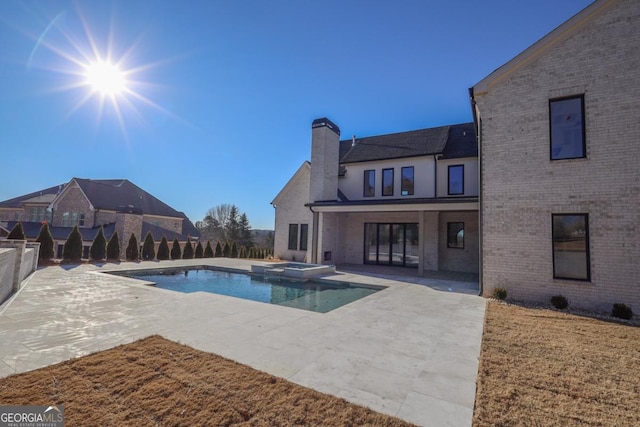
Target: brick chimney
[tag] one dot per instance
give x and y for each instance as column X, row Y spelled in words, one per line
column 325, row 152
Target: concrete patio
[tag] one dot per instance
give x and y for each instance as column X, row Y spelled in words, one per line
column 410, row 350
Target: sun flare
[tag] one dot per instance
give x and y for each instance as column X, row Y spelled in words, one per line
column 106, row 78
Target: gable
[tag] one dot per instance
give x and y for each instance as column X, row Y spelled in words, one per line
column 299, row 179
column 542, row 46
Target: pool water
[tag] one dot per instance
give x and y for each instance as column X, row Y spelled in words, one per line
column 320, row 297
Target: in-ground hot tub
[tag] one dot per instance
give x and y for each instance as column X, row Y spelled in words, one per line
column 294, row 270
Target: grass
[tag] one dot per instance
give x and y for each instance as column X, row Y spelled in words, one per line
column 541, row 367
column 156, row 382
column 538, row 367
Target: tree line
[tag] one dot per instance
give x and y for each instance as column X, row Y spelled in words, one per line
column 101, row 249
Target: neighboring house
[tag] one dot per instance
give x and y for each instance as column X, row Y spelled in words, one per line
column 406, row 199
column 559, row 130
column 114, row 204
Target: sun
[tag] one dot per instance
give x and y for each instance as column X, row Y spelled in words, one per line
column 105, row 78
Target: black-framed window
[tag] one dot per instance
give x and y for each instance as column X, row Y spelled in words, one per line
column 369, row 188
column 304, row 236
column 70, row 219
column 570, row 235
column 387, row 182
column 406, row 185
column 456, row 180
column 293, row 237
column 455, row 235
column 567, row 128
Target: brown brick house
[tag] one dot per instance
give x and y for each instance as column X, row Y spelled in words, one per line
column 114, row 204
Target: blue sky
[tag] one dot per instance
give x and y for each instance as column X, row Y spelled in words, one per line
column 222, row 93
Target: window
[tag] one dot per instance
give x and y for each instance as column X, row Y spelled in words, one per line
column 456, row 180
column 571, row 246
column 566, row 119
column 304, row 236
column 407, row 181
column 455, row 235
column 293, row 237
column 38, row 214
column 369, row 183
column 387, row 182
column 70, row 219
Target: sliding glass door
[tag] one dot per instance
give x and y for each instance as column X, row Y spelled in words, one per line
column 391, row 244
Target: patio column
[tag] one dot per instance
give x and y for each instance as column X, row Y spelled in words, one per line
column 421, row 243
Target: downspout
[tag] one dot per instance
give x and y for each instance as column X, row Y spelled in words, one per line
column 478, row 125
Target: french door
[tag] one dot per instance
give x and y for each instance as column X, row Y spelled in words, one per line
column 391, row 244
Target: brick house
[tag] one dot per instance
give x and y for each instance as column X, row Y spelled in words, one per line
column 559, row 137
column 408, row 199
column 114, row 204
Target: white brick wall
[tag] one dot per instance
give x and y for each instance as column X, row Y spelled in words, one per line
column 521, row 187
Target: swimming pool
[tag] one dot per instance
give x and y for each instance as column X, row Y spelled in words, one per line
column 311, row 295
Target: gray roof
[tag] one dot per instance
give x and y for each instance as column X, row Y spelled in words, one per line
column 456, row 140
column 37, row 196
column 122, row 194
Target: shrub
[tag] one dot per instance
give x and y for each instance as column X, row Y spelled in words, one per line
column 46, row 243
column 113, row 248
column 208, row 251
column 622, row 311
column 199, row 251
column 148, row 248
column 187, row 253
column 559, row 302
column 499, row 293
column 243, row 252
column 163, row 249
column 226, row 251
column 234, row 250
column 17, row 232
column 72, row 250
column 132, row 251
column 98, row 250
column 176, row 252
column 218, row 253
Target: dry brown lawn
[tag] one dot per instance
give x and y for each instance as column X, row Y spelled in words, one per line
column 541, row 367
column 538, row 367
column 156, row 382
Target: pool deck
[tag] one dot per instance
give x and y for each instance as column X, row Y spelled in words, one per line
column 410, row 350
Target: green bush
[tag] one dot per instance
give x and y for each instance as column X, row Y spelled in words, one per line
column 17, row 232
column 622, row 311
column 132, row 251
column 559, row 302
column 208, row 251
column 98, row 250
column 243, row 252
column 72, row 250
column 113, row 248
column 163, row 250
column 199, row 251
column 46, row 244
column 218, row 253
column 176, row 252
column 148, row 248
column 234, row 250
column 187, row 253
column 499, row 293
column 226, row 251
